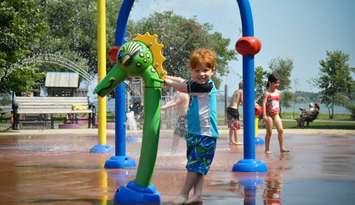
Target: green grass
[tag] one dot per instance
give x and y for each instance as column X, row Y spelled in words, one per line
column 341, row 121
column 336, row 117
column 322, row 124
column 321, row 116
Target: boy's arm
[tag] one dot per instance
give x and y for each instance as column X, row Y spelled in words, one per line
column 176, row 82
column 189, row 86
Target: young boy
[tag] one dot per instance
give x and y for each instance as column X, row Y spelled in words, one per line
column 233, row 115
column 202, row 131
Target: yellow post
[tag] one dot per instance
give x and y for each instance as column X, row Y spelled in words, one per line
column 101, row 60
column 103, row 187
column 103, row 183
column 256, row 126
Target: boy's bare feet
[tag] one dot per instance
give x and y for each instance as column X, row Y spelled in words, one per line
column 181, row 199
column 235, row 143
column 268, row 152
column 194, row 200
column 239, row 143
column 284, row 150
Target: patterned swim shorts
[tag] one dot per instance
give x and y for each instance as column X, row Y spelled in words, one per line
column 200, row 153
column 180, row 127
column 232, row 116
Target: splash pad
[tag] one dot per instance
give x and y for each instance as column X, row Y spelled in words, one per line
column 52, row 167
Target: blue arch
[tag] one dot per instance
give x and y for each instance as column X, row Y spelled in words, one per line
column 249, row 163
column 120, row 91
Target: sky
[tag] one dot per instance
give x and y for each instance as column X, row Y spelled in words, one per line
column 301, row 30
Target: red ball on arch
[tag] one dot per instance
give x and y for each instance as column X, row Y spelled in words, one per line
column 248, row 45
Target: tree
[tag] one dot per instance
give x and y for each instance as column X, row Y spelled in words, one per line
column 260, row 76
column 22, row 24
column 73, row 30
column 30, row 75
column 180, row 36
column 283, row 68
column 350, row 102
column 334, row 80
column 287, row 98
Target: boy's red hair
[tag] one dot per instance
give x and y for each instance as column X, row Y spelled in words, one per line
column 203, row 56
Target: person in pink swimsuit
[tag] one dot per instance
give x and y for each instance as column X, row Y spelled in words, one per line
column 271, row 113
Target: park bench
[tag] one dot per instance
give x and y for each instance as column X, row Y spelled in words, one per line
column 306, row 117
column 44, row 109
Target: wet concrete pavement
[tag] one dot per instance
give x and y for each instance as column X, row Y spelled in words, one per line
column 57, row 169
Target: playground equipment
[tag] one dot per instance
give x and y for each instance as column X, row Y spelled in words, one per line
column 248, row 46
column 141, row 57
column 258, row 111
column 101, row 147
column 131, row 62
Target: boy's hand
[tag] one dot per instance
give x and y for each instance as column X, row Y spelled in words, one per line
column 168, row 80
column 176, row 82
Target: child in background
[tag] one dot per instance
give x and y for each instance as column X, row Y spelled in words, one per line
column 180, row 102
column 233, row 115
column 202, row 131
column 271, row 113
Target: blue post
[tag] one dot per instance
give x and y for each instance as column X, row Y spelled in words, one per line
column 120, row 127
column 248, row 164
column 121, row 160
column 248, row 107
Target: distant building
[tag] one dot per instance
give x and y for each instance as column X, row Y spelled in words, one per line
column 64, row 84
